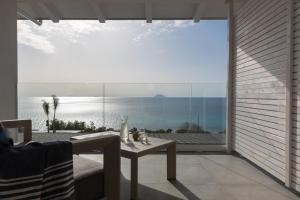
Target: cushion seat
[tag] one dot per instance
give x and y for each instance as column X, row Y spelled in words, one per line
column 89, row 178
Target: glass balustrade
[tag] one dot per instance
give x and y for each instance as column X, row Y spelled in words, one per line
column 190, row 113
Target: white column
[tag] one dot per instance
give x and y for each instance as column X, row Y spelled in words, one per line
column 8, row 59
column 229, row 77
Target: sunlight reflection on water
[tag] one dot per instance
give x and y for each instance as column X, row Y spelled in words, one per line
column 151, row 113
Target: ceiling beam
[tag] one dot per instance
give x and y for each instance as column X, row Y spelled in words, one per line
column 25, row 15
column 197, row 14
column 35, row 9
column 98, row 11
column 50, row 10
column 148, row 11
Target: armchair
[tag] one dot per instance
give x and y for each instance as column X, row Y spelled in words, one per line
column 92, row 180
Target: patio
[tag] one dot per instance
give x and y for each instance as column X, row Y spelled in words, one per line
column 205, row 177
column 262, row 93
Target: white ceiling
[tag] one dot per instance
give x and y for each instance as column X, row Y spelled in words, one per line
column 102, row 10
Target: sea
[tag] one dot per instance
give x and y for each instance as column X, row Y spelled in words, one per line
column 142, row 112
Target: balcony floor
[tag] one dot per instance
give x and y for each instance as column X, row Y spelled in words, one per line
column 201, row 177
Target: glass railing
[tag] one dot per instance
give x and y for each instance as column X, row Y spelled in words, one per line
column 189, row 113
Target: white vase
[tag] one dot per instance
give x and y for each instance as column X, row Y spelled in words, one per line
column 124, row 130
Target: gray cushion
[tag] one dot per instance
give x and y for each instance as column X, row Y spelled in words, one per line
column 89, row 178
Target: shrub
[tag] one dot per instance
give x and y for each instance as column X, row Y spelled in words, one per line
column 190, row 128
column 158, row 131
column 78, row 126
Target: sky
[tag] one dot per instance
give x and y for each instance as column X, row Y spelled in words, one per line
column 122, row 52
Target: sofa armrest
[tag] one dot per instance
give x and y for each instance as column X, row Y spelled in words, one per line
column 26, row 124
column 110, row 145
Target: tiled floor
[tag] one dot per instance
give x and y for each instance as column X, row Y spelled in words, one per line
column 201, row 177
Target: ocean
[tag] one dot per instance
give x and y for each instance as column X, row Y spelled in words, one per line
column 143, row 112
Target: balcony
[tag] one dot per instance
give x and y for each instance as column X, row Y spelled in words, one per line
column 192, row 114
column 201, row 176
column 262, row 97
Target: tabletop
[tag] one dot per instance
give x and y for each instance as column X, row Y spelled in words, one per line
column 133, row 148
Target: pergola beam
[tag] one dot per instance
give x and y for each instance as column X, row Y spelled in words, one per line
column 25, row 15
column 98, row 11
column 50, row 10
column 148, row 11
column 197, row 14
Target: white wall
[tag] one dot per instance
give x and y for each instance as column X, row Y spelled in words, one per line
column 8, row 59
column 259, row 80
column 296, row 101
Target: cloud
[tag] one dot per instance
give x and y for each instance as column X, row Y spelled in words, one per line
column 161, row 27
column 75, row 30
column 27, row 37
column 42, row 37
column 183, row 23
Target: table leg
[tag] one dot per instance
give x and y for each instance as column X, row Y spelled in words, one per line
column 134, row 178
column 171, row 161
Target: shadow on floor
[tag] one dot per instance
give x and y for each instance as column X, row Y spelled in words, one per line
column 149, row 193
column 184, row 190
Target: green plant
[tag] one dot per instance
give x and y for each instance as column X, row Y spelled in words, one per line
column 55, row 101
column 46, row 108
column 77, row 126
column 190, row 128
column 158, row 131
column 92, row 126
